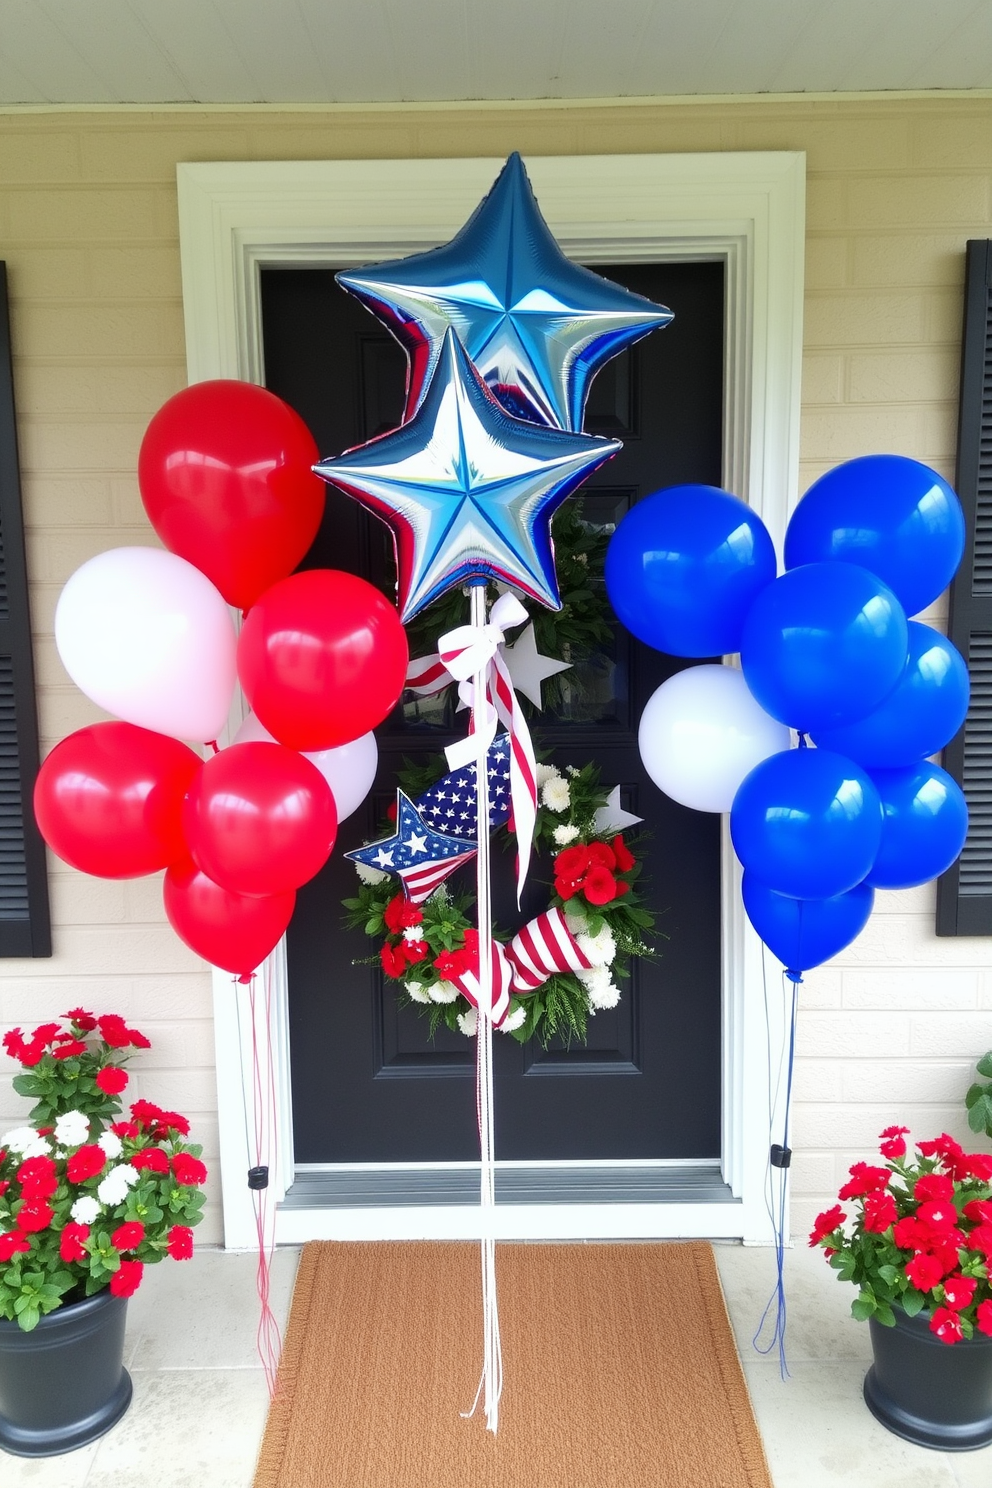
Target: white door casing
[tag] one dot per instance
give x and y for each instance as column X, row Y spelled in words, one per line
column 746, row 209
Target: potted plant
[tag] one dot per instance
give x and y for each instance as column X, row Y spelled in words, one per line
column 87, row 1199
column 979, row 1098
column 920, row 1250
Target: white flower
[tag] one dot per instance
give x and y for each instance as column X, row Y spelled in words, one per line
column 566, row 834
column 443, row 992
column 514, row 1020
column 577, row 923
column 417, row 991
column 85, row 1210
column 572, row 770
column 413, row 932
column 26, row 1141
column 555, row 794
column 72, row 1129
column 369, row 875
column 469, row 1022
column 111, row 1144
column 599, row 988
column 546, row 773
column 113, row 1188
column 600, row 949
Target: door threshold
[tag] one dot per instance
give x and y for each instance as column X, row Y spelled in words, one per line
column 392, row 1188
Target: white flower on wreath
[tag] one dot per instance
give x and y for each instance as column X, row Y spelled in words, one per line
column 469, row 1022
column 443, row 992
column 413, row 932
column 113, row 1188
column 556, row 795
column 513, row 1020
column 111, row 1144
column 600, row 989
column 565, row 834
column 369, row 875
column 546, row 773
column 26, row 1141
column 72, row 1128
column 417, row 991
column 85, row 1209
column 600, row 948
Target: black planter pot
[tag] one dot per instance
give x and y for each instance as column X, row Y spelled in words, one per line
column 63, row 1384
column 931, row 1393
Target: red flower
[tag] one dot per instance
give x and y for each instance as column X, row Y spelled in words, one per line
column 938, row 1215
column 13, row 1042
column 37, row 1177
column 391, row 812
column 400, row 914
column 180, row 1243
column 81, row 1018
column 33, row 1053
column 948, row 1257
column 34, row 1216
column 67, row 1048
column 979, row 1166
column 601, row 855
column 114, row 1030
column 567, row 888
column 112, row 1079
column 452, row 964
column 958, row 1291
column 146, row 1113
column 45, row 1033
column 625, row 858
column 924, row 1271
column 909, row 1234
column 864, row 1179
column 71, row 1246
column 188, row 1170
column 946, row 1324
column 152, row 1158
column 934, row 1186
column 126, row 1281
column 171, row 1121
column 824, row 1224
column 880, row 1211
column 11, row 1244
column 599, row 887
column 980, row 1239
column 128, row 1236
column 128, row 1129
column 979, row 1211
column 571, row 863
column 951, row 1154
column 138, row 1040
column 983, row 1318
column 85, row 1163
column 892, row 1141
column 415, row 951
column 393, row 959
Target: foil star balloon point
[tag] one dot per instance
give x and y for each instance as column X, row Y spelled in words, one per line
column 536, row 325
column 468, row 491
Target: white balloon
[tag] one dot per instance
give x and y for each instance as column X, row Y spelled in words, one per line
column 145, row 635
column 702, row 732
column 349, row 769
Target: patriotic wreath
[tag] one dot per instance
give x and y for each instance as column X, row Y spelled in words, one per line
column 558, row 970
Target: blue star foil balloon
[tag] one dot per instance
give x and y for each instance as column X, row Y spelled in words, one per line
column 537, row 326
column 468, row 491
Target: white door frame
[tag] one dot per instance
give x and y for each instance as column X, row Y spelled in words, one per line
column 747, row 209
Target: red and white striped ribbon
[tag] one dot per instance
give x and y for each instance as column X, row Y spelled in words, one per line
column 469, row 985
column 426, row 675
column 543, row 947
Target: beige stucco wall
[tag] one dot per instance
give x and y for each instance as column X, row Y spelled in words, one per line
column 88, row 228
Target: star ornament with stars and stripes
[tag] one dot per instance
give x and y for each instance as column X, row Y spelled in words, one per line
column 468, row 491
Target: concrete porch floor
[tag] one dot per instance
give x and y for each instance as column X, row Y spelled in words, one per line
column 200, row 1400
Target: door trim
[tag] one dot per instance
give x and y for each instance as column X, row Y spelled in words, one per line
column 746, row 209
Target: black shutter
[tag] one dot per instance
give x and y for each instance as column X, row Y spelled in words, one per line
column 25, row 925
column 964, row 893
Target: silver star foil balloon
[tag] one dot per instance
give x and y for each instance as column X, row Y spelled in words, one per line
column 468, row 491
column 537, row 326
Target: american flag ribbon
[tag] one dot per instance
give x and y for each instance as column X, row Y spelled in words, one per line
column 469, row 985
column 542, row 948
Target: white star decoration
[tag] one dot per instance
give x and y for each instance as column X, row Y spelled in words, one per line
column 612, row 817
column 528, row 668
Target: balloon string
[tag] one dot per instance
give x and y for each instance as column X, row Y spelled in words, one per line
column 776, row 1184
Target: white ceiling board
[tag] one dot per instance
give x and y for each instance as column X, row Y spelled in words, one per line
column 382, row 51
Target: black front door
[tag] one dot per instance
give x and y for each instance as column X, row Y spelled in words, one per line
column 369, row 1085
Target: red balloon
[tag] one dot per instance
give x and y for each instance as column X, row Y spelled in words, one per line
column 226, row 479
column 231, row 931
column 260, row 819
column 108, row 799
column 322, row 658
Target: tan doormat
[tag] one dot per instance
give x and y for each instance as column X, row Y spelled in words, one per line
column 620, row 1371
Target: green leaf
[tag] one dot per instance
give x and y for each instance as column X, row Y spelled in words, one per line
column 890, row 1274
column 912, row 1301
column 985, row 1065
column 28, row 1319
column 883, row 1314
column 28, row 1085
column 863, row 1306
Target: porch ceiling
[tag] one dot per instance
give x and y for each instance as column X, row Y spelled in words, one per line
column 368, row 51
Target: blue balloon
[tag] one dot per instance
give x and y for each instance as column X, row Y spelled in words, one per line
column 891, row 515
column 683, row 568
column 924, row 826
column 807, row 823
column 921, row 714
column 803, row 933
column 823, row 645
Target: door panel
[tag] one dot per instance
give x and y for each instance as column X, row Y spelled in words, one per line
column 369, row 1084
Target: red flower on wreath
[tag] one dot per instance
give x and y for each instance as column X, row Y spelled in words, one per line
column 625, row 858
column 393, row 959
column 600, row 887
column 601, row 855
column 415, row 951
column 400, row 915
